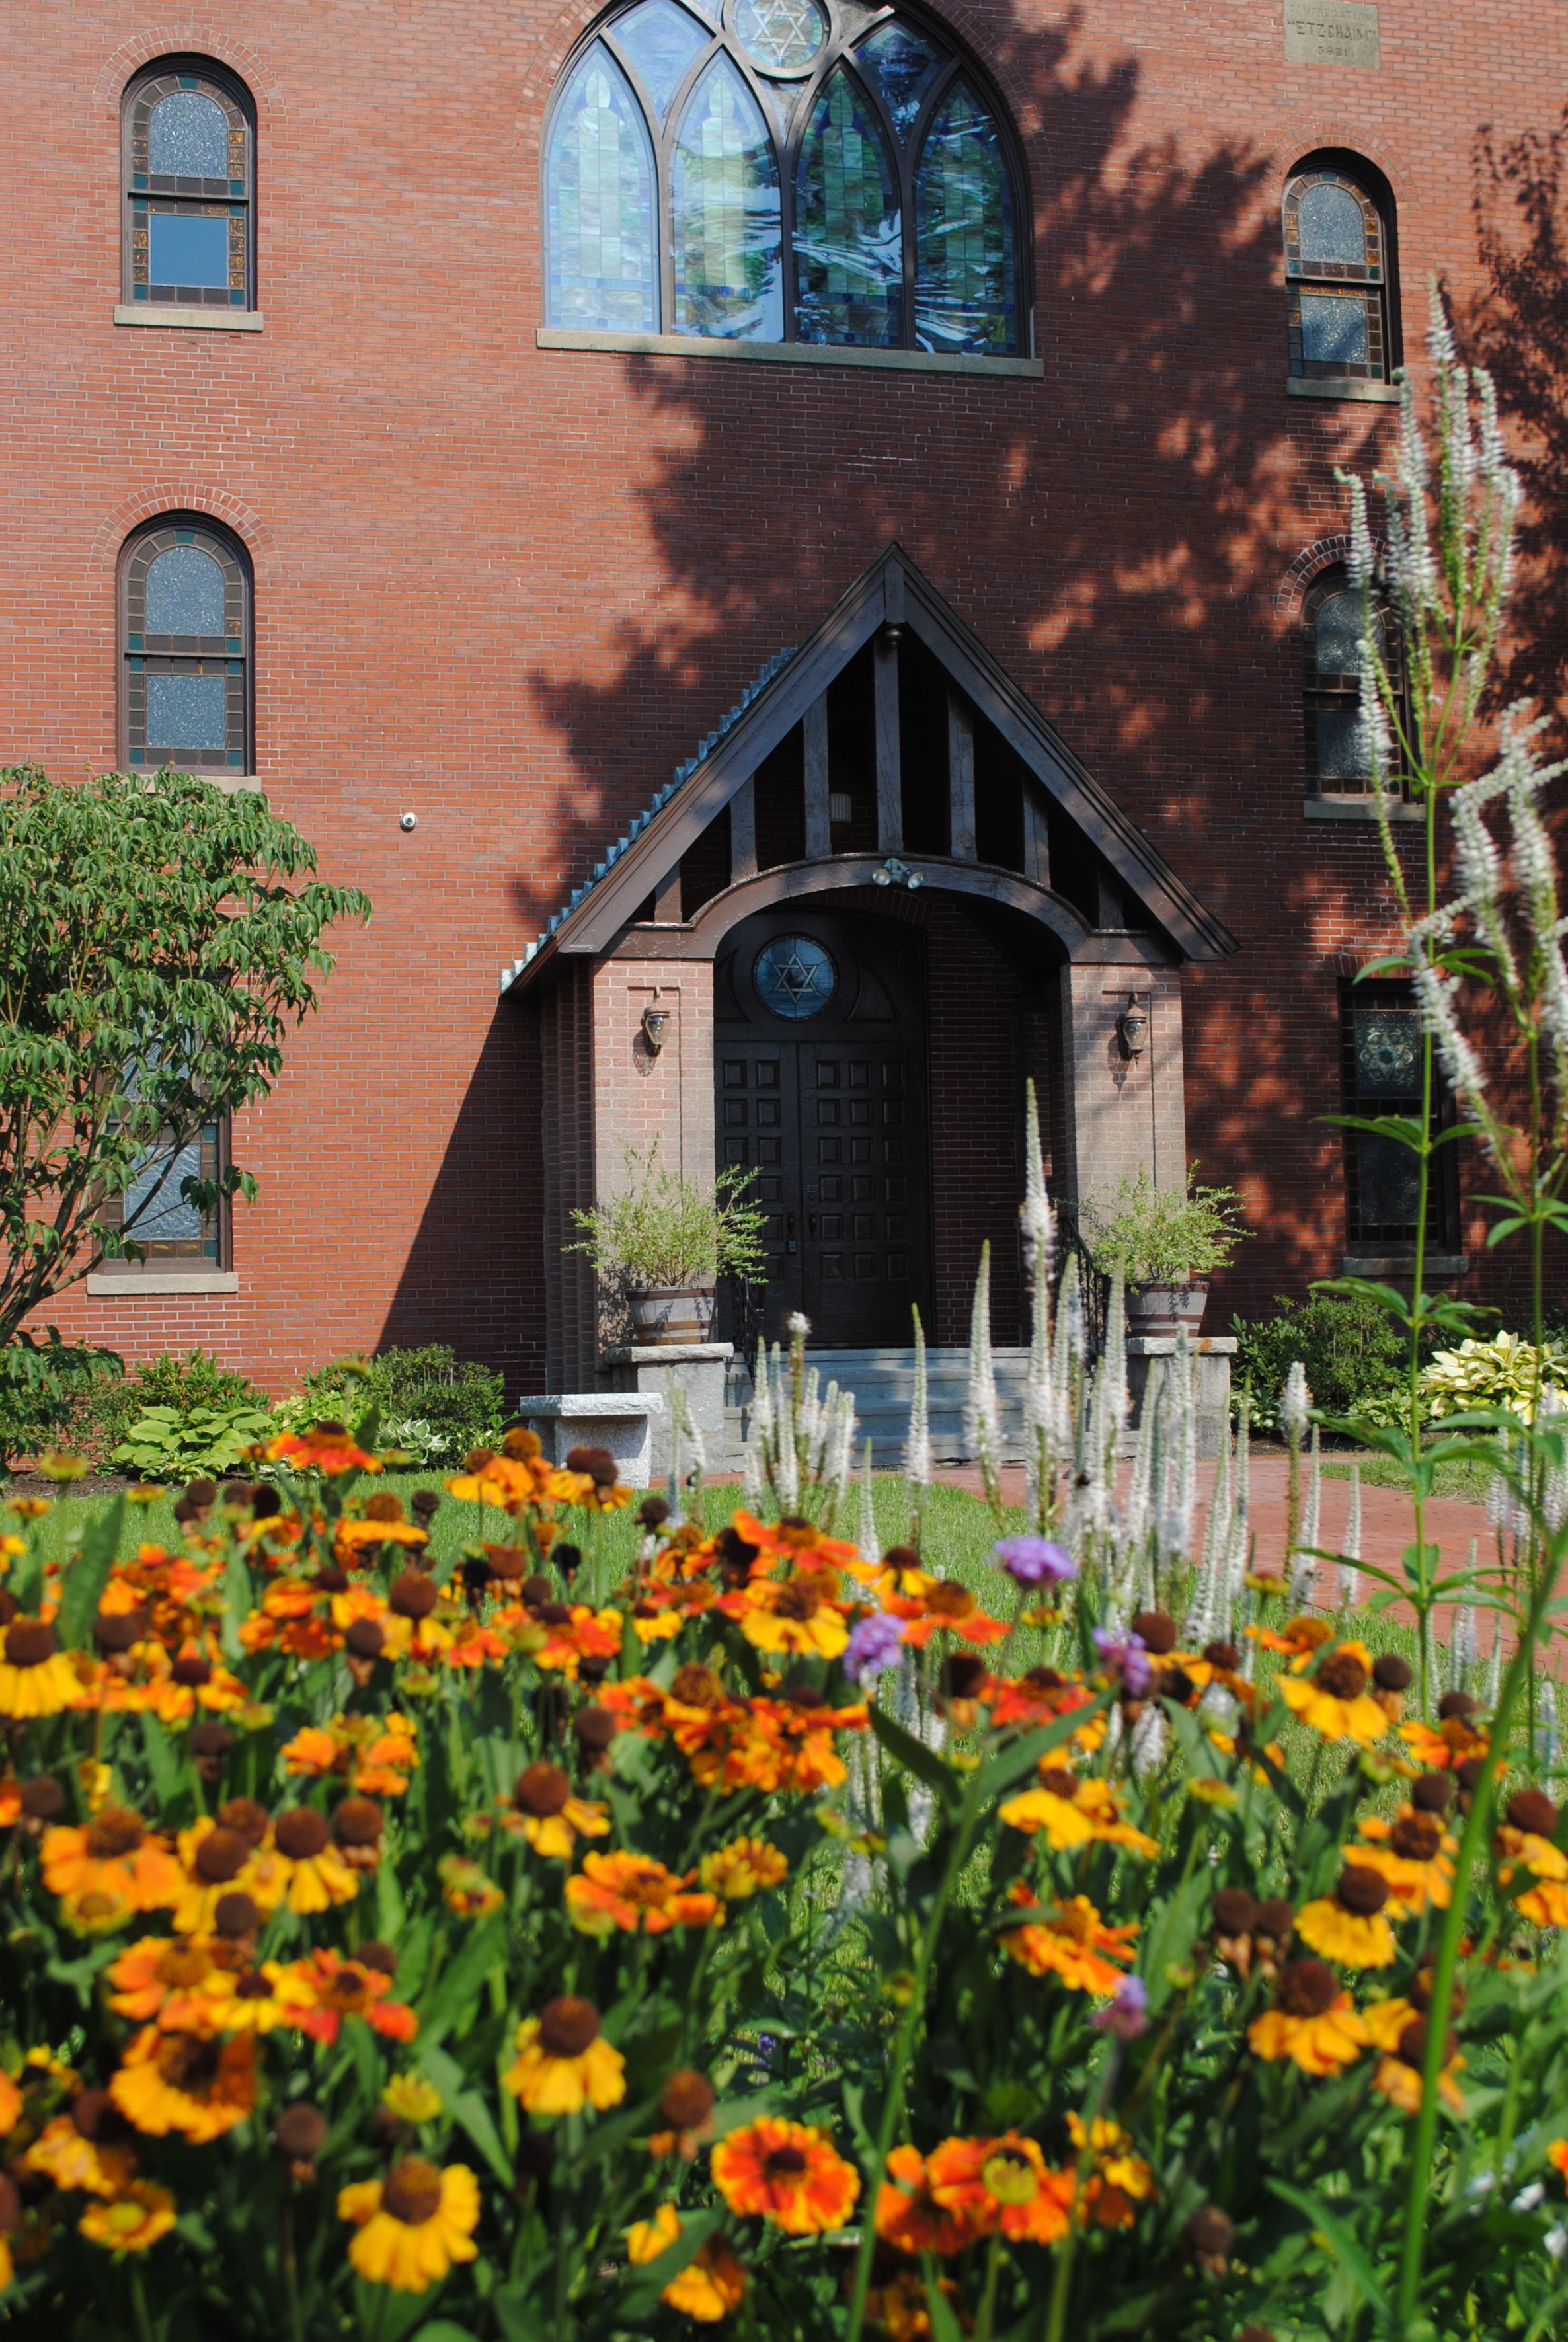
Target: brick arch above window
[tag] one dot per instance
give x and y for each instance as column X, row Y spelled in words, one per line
column 206, row 40
column 186, row 496
column 1325, row 553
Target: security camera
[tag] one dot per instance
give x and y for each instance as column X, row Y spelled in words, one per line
column 408, row 821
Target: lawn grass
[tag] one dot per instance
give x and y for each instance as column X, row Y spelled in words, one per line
column 1467, row 1481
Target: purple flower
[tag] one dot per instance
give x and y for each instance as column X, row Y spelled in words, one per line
column 1035, row 1560
column 874, row 1644
column 1126, row 2013
column 1125, row 1655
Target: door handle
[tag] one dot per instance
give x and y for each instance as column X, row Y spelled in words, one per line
column 790, row 1245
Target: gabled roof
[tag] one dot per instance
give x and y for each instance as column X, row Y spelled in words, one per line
column 893, row 590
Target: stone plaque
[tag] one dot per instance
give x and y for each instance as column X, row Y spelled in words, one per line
column 1330, row 33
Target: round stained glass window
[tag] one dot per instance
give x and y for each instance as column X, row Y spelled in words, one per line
column 780, row 36
column 794, row 977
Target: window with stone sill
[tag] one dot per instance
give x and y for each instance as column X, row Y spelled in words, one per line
column 1338, row 235
column 813, row 171
column 188, row 145
column 1380, row 1069
column 185, row 648
column 173, row 1231
column 1338, row 757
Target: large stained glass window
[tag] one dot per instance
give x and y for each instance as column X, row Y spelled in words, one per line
column 184, row 650
column 813, row 171
column 1339, row 754
column 724, row 219
column 1380, row 1076
column 189, row 214
column 1336, row 274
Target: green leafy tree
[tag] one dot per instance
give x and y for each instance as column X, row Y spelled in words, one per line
column 155, row 952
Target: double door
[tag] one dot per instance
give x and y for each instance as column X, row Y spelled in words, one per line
column 820, row 1068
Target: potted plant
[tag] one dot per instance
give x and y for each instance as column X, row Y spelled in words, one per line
column 663, row 1242
column 1166, row 1244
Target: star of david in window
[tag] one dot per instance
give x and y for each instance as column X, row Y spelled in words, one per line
column 794, row 977
column 780, row 36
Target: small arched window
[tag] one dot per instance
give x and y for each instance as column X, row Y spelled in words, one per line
column 185, row 649
column 1338, row 228
column 1339, row 762
column 189, row 177
column 782, row 171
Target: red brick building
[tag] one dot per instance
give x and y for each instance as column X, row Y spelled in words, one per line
column 710, row 469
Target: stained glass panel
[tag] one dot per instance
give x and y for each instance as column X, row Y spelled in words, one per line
column 189, row 137
column 1333, row 329
column 187, row 710
column 1331, row 225
column 1389, row 1180
column 725, row 215
column 1341, row 748
column 1339, row 635
column 661, row 40
column 964, row 287
column 780, row 36
column 794, row 977
column 185, row 594
column 169, row 1218
column 599, row 182
column 187, row 249
column 849, row 249
column 900, row 61
column 1387, row 1053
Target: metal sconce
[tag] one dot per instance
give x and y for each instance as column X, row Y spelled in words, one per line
column 894, row 873
column 654, row 1021
column 1132, row 1026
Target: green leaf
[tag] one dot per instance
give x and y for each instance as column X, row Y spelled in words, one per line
column 468, row 2110
column 460, row 1984
column 917, row 1758
column 443, row 2330
column 1345, row 2244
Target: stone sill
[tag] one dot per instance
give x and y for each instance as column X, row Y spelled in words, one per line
column 212, row 321
column 1164, row 1346
column 164, row 1281
column 1401, row 1264
column 1357, row 809
column 667, row 1354
column 807, row 354
column 1342, row 385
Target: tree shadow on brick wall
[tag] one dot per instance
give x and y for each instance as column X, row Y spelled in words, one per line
column 1520, row 330
column 1115, row 534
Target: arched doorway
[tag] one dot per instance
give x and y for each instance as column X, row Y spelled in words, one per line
column 822, row 1088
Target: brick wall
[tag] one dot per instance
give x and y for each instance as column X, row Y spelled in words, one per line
column 510, row 589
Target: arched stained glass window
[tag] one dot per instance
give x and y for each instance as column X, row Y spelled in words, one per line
column 965, row 276
column 725, row 217
column 1337, row 236
column 185, row 649
column 189, row 217
column 848, row 242
column 818, row 171
column 599, row 224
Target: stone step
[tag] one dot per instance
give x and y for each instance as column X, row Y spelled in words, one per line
column 883, row 1382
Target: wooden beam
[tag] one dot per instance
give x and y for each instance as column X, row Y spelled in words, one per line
column 961, row 777
column 743, row 832
column 889, row 763
column 818, row 825
column 667, row 899
column 1112, row 903
column 1037, row 836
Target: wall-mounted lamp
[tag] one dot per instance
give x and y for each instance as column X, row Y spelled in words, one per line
column 654, row 1023
column 1132, row 1026
column 894, row 873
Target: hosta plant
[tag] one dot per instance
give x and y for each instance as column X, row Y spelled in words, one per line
column 1507, row 1372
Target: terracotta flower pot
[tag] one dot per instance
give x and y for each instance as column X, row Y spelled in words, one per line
column 673, row 1312
column 1165, row 1308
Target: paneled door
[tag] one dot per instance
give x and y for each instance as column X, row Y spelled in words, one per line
column 820, row 1071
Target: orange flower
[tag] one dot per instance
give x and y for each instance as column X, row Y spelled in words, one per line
column 324, row 1448
column 712, row 2282
column 1072, row 1812
column 182, row 2082
column 171, row 1982
column 632, row 1891
column 580, row 1634
column 950, row 1609
column 746, row 1866
column 114, row 1856
column 786, row 2173
column 909, row 2216
column 1070, row 1941
column 801, row 1614
column 65, row 2153
column 1448, row 1745
column 544, row 1811
column 1002, row 2183
column 1311, row 2021
column 1412, row 1852
column 323, row 1988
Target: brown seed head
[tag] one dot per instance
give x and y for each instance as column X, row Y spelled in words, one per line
column 1391, row 1673
column 653, row 1512
column 383, row 1506
column 117, row 1630
column 112, row 1832
column 265, row 1502
column 963, row 1675
column 222, row 1855
column 477, row 1457
column 300, row 2132
column 1413, row 2041
column 1307, row 1988
column 201, row 1492
column 1275, row 1921
column 41, row 1797
column 541, row 1790
column 424, row 1504
column 696, row 1687
column 210, row 1738
column 95, row 2115
column 1416, row 1837
column 1223, row 1655
column 1210, row 2232
column 1234, row 1911
column 236, row 1914
column 686, row 2100
column 538, row 1589
column 568, row 2026
column 192, row 1671
column 378, row 1956
column 521, row 1445
column 358, row 1821
column 300, row 1833
column 1460, row 1704
column 595, row 1727
column 29, row 1642
column 366, row 1638
column 1342, row 1675
column 1468, row 1775
column 1156, row 1630
column 1361, row 1891
column 1432, row 1793
column 1532, row 1810
column 412, row 1595
column 1059, row 1781
column 244, row 1814
column 10, row 2204
column 785, row 2163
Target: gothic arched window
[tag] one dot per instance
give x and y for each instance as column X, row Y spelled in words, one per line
column 190, row 225
column 782, row 171
column 185, row 649
column 1338, row 272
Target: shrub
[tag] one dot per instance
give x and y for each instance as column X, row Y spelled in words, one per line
column 170, row 1443
column 663, row 1230
column 432, row 1403
column 43, row 1384
column 102, row 1414
column 1352, row 1350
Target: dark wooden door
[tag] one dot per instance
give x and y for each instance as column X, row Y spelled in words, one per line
column 821, row 1077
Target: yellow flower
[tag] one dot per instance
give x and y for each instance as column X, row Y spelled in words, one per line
column 132, row 2220
column 743, row 1867
column 1348, row 1925
column 563, row 2062
column 1334, row 1701
column 410, row 2099
column 712, row 2282
column 179, row 2081
column 1311, row 2021
column 413, row 2224
column 36, row 1679
column 1071, row 1813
